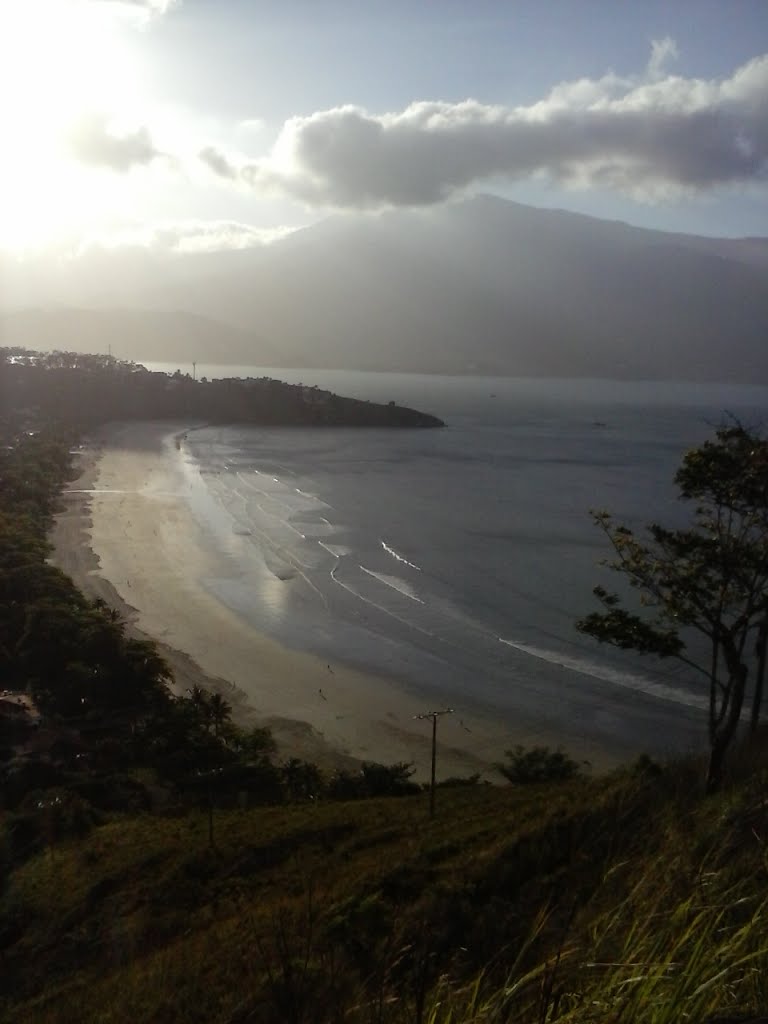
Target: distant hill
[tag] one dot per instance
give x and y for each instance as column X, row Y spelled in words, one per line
column 139, row 334
column 481, row 286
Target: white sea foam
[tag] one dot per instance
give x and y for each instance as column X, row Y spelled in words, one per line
column 596, row 670
column 314, row 530
column 393, row 581
column 337, row 550
column 394, row 554
column 386, row 611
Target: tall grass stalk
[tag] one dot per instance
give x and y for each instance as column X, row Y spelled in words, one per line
column 653, row 960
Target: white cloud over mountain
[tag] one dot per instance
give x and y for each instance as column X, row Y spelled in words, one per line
column 650, row 136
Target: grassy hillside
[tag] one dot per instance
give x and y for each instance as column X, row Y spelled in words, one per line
column 627, row 898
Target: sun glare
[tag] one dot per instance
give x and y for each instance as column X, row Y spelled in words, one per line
column 60, row 60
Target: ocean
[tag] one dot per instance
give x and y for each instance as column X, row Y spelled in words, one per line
column 458, row 560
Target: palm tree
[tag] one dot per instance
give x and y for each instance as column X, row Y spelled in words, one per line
column 198, row 698
column 219, row 712
column 110, row 614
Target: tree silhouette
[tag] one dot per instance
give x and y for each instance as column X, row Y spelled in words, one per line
column 219, row 712
column 198, row 701
column 709, row 580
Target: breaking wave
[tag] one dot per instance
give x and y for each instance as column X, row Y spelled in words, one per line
column 394, row 554
column 597, row 670
column 395, row 583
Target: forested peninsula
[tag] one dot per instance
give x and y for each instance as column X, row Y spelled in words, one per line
column 84, row 390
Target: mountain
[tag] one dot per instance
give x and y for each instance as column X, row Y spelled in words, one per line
column 481, row 286
column 139, row 334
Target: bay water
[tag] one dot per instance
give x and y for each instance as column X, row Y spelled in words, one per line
column 457, row 560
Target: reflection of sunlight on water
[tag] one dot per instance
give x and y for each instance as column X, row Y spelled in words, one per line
column 248, row 518
column 273, row 593
column 261, row 598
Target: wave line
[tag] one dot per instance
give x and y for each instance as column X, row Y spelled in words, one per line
column 390, row 581
column 391, row 551
column 627, row 680
column 381, row 608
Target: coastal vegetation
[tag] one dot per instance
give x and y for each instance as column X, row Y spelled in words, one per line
column 160, row 863
column 702, row 590
column 538, row 764
column 83, row 390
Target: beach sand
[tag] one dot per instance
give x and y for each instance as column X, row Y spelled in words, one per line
column 127, row 534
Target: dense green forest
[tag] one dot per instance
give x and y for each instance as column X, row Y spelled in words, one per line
column 159, row 863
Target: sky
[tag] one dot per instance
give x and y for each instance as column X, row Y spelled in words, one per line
column 196, row 125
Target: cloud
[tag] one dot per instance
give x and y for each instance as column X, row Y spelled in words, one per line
column 651, row 136
column 215, row 160
column 188, row 236
column 154, row 6
column 214, row 236
column 93, row 140
column 662, row 51
column 141, row 12
column 252, row 125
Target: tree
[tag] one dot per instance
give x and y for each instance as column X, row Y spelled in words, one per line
column 252, row 745
column 303, row 780
column 219, row 712
column 198, row 700
column 709, row 579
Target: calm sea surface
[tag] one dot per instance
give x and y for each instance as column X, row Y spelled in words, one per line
column 457, row 560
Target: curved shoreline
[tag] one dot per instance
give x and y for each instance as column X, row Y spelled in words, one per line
column 127, row 535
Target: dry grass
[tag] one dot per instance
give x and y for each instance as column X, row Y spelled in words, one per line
column 600, row 901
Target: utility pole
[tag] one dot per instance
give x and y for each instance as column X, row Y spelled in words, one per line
column 434, row 715
column 208, row 777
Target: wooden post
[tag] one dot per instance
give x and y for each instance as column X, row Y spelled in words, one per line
column 434, row 758
column 210, row 813
column 432, row 784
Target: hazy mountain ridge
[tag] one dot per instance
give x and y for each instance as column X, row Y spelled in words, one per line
column 483, row 286
column 163, row 335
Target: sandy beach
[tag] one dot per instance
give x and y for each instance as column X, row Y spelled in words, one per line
column 127, row 534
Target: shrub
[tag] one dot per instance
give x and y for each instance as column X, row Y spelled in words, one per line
column 457, row 781
column 373, row 780
column 538, row 764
